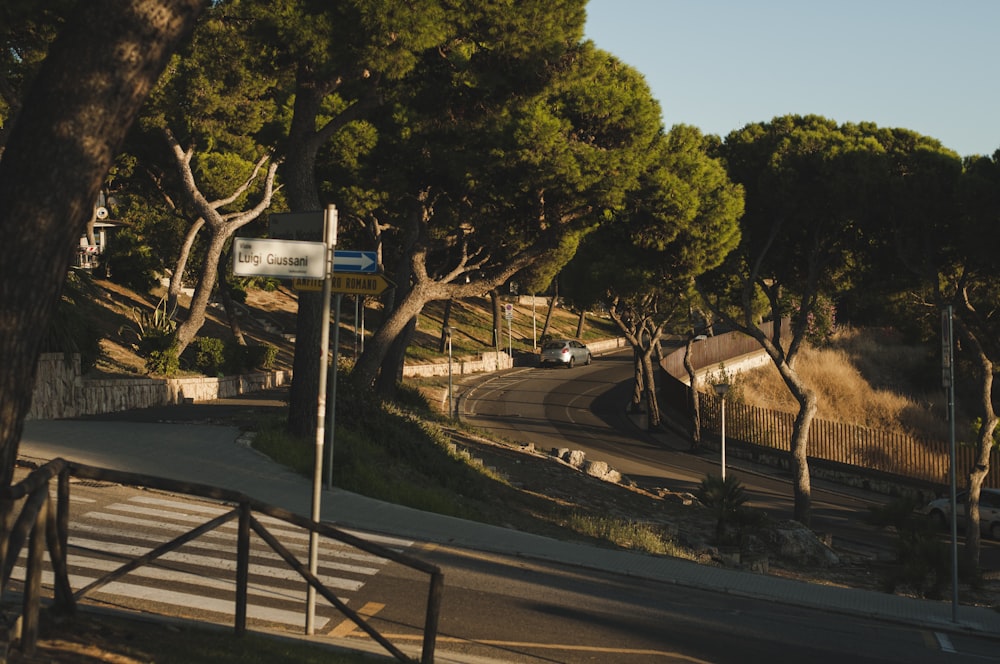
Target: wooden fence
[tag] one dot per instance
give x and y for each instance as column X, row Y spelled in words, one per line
column 857, row 446
column 852, row 445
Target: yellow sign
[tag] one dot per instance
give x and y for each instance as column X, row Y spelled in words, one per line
column 347, row 284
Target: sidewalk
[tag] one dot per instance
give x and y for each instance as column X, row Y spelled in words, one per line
column 179, row 442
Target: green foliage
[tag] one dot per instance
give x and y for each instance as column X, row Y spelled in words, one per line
column 153, row 330
column 923, row 560
column 163, row 362
column 210, row 355
column 725, row 498
column 131, row 261
column 629, row 535
column 261, row 356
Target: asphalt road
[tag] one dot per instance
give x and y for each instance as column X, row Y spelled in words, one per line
column 585, row 408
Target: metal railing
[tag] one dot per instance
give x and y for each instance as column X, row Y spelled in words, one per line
column 41, row 527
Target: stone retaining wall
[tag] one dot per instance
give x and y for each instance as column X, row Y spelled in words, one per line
column 61, row 392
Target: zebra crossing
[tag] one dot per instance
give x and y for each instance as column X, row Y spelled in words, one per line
column 198, row 580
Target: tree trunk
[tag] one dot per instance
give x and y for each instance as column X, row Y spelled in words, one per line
column 581, row 322
column 304, row 390
column 497, row 317
column 445, row 324
column 177, row 278
column 195, row 319
column 548, row 313
column 806, row 398
column 695, row 397
column 652, row 403
column 52, row 166
column 391, row 372
column 227, row 298
column 984, row 444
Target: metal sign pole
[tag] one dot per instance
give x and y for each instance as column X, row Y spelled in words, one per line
column 330, row 235
column 948, row 379
column 331, row 409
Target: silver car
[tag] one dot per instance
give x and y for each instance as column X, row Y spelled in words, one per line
column 568, row 352
column 938, row 512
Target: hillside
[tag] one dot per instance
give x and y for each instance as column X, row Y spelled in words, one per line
column 268, row 317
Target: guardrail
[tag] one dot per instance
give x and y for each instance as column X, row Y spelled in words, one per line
column 41, row 527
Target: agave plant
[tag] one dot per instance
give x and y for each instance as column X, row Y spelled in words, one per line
column 152, row 329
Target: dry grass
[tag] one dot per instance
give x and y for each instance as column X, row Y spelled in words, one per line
column 862, row 377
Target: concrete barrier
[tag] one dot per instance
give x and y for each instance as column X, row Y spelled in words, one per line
column 60, row 391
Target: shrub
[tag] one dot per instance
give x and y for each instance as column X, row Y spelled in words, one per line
column 261, row 356
column 131, row 262
column 923, row 561
column 153, row 330
column 163, row 362
column 725, row 497
column 210, row 355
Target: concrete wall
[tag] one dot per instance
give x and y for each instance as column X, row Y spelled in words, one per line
column 492, row 361
column 60, row 391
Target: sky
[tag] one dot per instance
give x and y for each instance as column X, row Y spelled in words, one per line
column 931, row 66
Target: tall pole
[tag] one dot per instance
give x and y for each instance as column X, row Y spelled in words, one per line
column 948, row 380
column 330, row 238
column 721, row 389
column 331, row 408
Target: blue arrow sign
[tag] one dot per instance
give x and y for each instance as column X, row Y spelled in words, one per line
column 355, row 261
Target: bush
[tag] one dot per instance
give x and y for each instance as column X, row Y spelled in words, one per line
column 131, row 262
column 163, row 362
column 210, row 355
column 261, row 356
column 725, row 497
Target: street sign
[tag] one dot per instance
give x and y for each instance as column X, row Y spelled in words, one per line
column 256, row 257
column 296, row 226
column 508, row 311
column 355, row 261
column 368, row 284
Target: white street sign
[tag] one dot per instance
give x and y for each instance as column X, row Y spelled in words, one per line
column 256, row 257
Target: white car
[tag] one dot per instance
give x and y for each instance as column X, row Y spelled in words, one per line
column 938, row 511
column 567, row 352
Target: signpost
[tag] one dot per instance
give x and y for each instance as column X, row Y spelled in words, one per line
column 948, row 381
column 302, row 247
column 257, row 257
column 347, row 284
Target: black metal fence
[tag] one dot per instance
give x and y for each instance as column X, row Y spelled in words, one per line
column 43, row 526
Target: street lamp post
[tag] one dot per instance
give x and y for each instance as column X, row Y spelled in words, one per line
column 721, row 389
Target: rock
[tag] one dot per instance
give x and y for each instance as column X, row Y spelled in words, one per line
column 576, row 458
column 795, row 542
column 602, row 471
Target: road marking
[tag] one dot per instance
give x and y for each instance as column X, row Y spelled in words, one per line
column 673, row 656
column 200, row 575
column 161, row 595
column 348, row 628
column 944, row 643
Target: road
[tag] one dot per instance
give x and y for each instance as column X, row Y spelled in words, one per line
column 584, row 408
column 507, row 609
column 495, row 608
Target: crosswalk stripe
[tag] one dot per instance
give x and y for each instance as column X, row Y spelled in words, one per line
column 384, row 540
column 162, row 595
column 227, row 545
column 215, row 563
column 104, row 537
